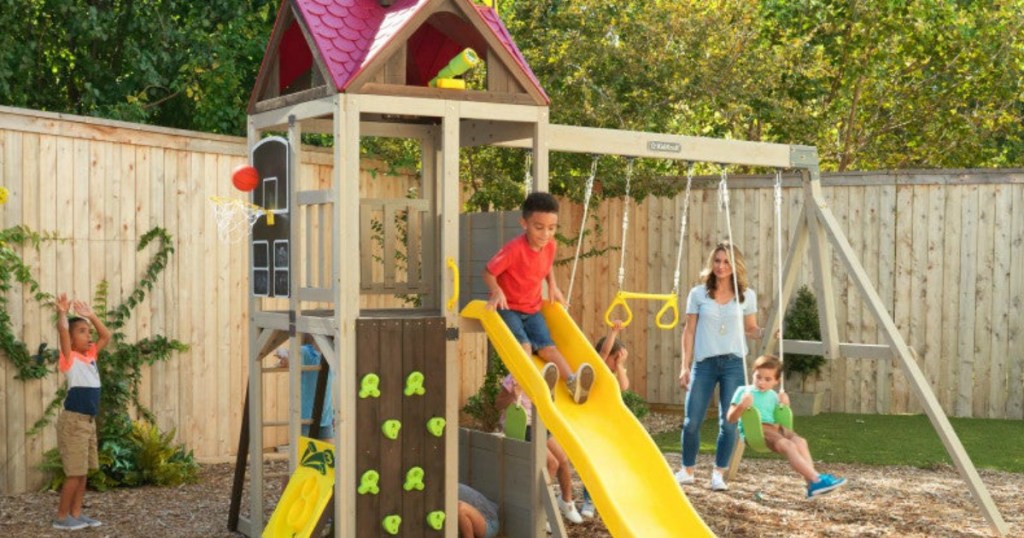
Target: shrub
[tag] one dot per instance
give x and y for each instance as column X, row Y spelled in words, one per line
column 481, row 406
column 802, row 324
column 146, row 456
column 635, row 403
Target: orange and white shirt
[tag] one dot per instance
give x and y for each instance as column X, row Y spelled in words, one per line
column 83, row 381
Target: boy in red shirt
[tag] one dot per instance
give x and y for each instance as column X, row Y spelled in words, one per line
column 514, row 276
column 76, row 425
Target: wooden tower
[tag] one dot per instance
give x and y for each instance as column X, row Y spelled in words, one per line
column 362, row 68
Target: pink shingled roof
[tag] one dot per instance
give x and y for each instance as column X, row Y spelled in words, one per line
column 351, row 33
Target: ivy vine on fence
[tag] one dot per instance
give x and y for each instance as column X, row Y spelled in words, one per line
column 120, row 364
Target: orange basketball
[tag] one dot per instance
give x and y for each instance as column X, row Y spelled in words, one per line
column 245, row 177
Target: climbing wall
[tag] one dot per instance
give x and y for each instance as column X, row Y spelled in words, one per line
column 400, row 371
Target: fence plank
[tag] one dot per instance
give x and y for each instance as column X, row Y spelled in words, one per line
column 918, row 283
column 902, row 296
column 934, row 294
column 968, row 287
column 1015, row 331
column 886, row 284
column 984, row 303
column 998, row 387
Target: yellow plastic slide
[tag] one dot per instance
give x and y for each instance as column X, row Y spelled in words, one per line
column 628, row 477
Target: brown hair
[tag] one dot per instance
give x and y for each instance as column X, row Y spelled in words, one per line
column 769, row 362
column 739, row 268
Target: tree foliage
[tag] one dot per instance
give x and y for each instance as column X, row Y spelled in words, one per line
column 176, row 63
column 874, row 85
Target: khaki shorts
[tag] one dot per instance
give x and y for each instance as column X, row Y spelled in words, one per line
column 76, row 441
column 773, row 433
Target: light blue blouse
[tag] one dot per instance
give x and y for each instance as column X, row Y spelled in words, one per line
column 718, row 331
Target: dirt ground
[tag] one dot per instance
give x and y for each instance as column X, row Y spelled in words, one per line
column 767, row 499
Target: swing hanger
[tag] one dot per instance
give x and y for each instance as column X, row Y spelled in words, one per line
column 671, row 300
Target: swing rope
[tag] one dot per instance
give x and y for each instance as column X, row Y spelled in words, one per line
column 587, row 193
column 723, row 205
column 682, row 229
column 778, row 270
column 625, row 223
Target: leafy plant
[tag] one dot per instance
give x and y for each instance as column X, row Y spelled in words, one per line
column 481, row 406
column 802, row 324
column 145, row 457
column 635, row 403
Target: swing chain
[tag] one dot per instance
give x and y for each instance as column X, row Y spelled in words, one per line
column 587, row 194
column 625, row 222
column 682, row 228
column 778, row 269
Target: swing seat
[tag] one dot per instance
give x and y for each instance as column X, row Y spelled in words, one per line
column 671, row 305
column 515, row 422
column 753, row 432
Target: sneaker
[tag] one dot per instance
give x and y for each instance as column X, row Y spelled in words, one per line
column 579, row 384
column 569, row 511
column 587, row 510
column 825, row 484
column 550, row 373
column 683, row 477
column 718, row 482
column 69, row 524
column 547, row 527
column 88, row 520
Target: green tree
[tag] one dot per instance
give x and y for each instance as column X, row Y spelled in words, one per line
column 176, row 63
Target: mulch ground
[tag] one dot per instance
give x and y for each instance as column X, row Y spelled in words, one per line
column 766, row 499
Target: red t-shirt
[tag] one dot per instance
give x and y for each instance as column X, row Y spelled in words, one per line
column 520, row 271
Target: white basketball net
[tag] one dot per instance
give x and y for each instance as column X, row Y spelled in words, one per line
column 235, row 217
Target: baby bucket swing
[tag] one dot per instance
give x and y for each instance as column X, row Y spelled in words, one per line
column 751, row 420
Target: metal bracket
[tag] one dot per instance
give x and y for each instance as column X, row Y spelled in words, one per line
column 451, row 334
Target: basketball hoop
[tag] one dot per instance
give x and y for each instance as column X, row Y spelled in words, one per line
column 235, row 218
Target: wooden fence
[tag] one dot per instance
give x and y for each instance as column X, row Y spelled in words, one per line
column 99, row 185
column 954, row 241
column 944, row 249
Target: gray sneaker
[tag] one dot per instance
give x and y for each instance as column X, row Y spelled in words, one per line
column 550, row 373
column 69, row 524
column 579, row 384
column 88, row 520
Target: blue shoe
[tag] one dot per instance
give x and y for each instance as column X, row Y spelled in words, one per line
column 825, row 484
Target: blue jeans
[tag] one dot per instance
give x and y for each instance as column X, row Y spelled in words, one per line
column 727, row 372
column 528, row 328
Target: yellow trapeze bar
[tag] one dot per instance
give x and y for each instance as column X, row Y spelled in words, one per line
column 671, row 304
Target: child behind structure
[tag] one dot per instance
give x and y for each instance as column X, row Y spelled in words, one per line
column 779, row 439
column 515, row 275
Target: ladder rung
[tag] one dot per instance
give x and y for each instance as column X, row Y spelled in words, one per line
column 278, row 423
column 278, row 369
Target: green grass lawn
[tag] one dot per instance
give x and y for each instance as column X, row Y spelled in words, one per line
column 889, row 440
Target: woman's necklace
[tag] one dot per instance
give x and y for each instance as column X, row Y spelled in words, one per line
column 721, row 316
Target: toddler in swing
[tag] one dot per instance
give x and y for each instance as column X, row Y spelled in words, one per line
column 760, row 395
column 515, row 276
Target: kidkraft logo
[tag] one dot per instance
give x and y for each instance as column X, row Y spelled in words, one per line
column 665, row 147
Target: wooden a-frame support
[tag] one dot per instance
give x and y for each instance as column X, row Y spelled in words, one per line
column 816, row 230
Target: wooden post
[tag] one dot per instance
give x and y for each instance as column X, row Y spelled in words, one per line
column 910, row 368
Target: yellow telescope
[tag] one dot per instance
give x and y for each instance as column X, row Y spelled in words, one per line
column 462, row 62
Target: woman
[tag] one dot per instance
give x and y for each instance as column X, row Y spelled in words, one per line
column 713, row 354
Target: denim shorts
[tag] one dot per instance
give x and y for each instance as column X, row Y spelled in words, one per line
column 528, row 328
column 493, row 526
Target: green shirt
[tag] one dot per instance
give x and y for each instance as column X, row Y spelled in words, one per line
column 765, row 401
